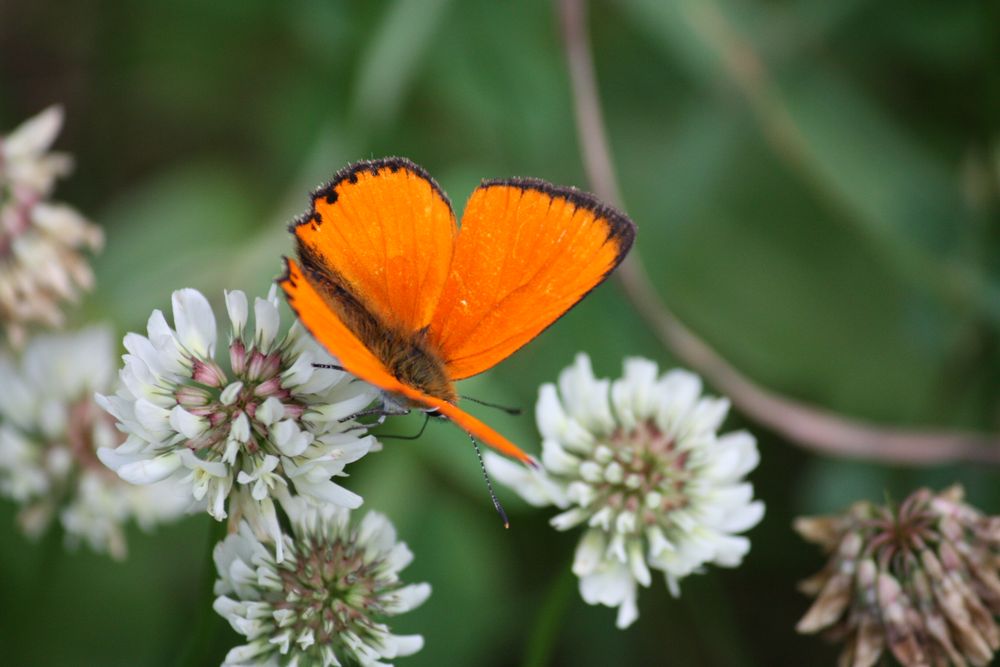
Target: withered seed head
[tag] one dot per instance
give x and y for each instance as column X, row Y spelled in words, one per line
column 920, row 580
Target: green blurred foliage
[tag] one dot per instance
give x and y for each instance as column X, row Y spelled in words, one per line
column 815, row 185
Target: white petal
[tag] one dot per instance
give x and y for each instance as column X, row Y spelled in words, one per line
column 240, row 429
column 580, row 493
column 679, row 390
column 399, row 557
column 535, row 486
column 708, row 415
column 586, row 398
column 569, row 519
column 242, row 655
column 744, row 518
column 152, row 470
column 233, row 447
column 589, row 553
column 549, row 413
column 406, row 598
column 229, row 394
column 272, row 295
column 634, row 395
column 658, row 542
column 271, row 411
column 340, row 410
column 114, row 459
column 740, row 451
column 557, row 460
column 194, row 321
column 324, row 490
column 728, row 497
column 628, row 611
column 408, row 644
column 730, row 549
column 141, row 347
column 152, row 417
column 616, row 549
column 376, row 531
column 187, row 424
column 162, row 337
column 266, row 322
column 213, row 468
column 637, row 562
column 555, row 424
column 591, row 472
column 609, row 585
column 236, row 306
column 288, row 438
column 300, row 372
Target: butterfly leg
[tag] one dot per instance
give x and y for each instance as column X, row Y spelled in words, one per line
column 390, row 407
column 423, row 427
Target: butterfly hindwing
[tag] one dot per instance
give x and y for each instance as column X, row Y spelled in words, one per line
column 326, row 326
column 355, row 356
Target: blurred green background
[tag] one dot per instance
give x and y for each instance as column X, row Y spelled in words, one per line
column 815, row 185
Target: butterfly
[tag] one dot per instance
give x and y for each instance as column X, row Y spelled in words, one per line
column 410, row 302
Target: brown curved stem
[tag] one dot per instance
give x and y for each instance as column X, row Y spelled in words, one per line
column 811, row 427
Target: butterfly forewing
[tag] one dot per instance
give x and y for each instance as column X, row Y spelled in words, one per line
column 527, row 252
column 383, row 231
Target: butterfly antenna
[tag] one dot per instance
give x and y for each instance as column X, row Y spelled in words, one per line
column 427, row 418
column 489, row 485
column 508, row 410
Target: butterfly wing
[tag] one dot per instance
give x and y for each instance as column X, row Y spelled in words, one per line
column 331, row 332
column 382, row 232
column 528, row 251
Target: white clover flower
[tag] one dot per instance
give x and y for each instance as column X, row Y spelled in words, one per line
column 246, row 434
column 640, row 463
column 327, row 602
column 50, row 429
column 41, row 264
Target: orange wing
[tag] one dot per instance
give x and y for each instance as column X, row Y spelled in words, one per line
column 331, row 332
column 527, row 252
column 383, row 231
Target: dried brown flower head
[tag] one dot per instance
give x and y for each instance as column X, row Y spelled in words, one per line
column 920, row 580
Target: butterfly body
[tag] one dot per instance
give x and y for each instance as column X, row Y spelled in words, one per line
column 405, row 299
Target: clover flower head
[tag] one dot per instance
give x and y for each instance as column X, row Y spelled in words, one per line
column 248, row 429
column 328, row 601
column 921, row 580
column 50, row 430
column 41, row 241
column 639, row 462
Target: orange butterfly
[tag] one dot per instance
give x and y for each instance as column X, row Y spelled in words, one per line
column 388, row 283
